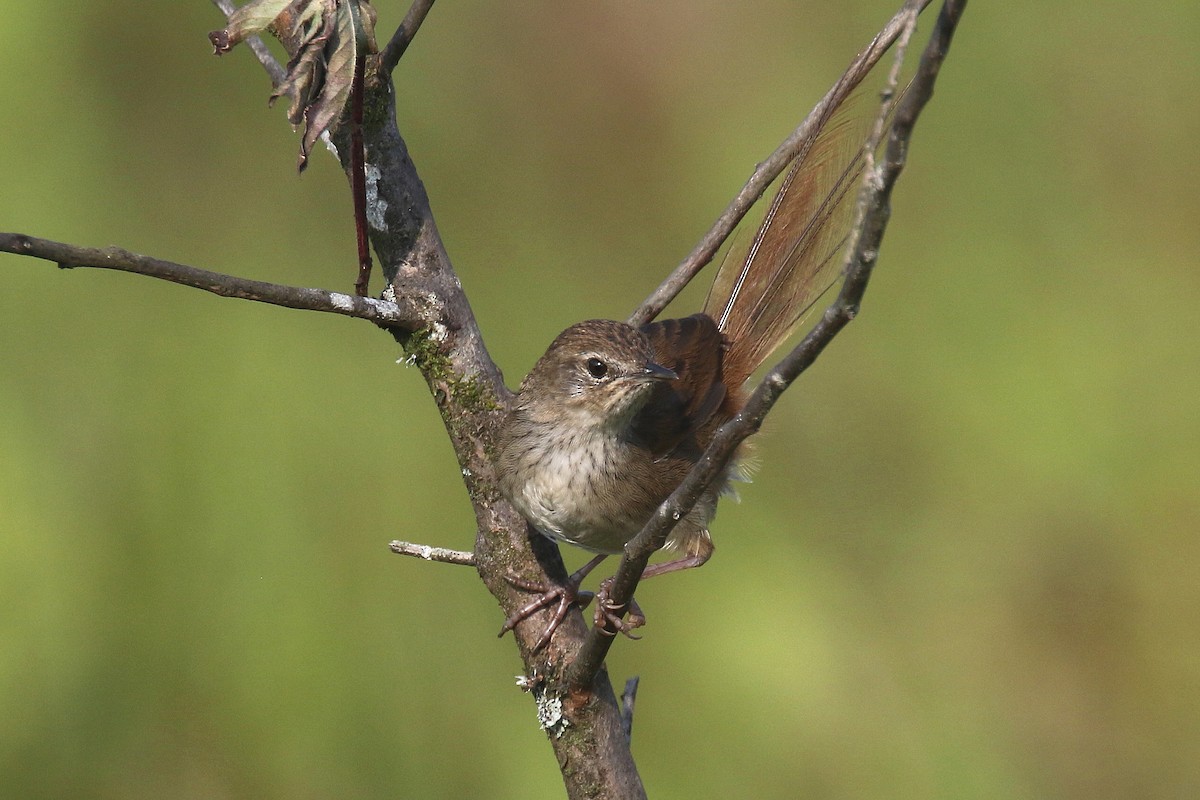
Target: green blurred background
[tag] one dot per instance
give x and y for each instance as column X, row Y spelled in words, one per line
column 968, row 566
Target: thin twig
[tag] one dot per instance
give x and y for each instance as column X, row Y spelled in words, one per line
column 628, row 697
column 872, row 182
column 877, row 189
column 69, row 256
column 404, row 34
column 766, row 172
column 358, row 178
column 430, row 553
column 271, row 64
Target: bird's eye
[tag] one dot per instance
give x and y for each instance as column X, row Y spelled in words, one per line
column 597, row 368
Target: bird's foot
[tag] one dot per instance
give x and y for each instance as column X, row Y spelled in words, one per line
column 560, row 596
column 610, row 617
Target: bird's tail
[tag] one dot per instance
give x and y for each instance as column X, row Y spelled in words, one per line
column 763, row 291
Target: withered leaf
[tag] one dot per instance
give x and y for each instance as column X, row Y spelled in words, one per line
column 326, row 39
column 248, row 20
column 350, row 38
column 308, row 30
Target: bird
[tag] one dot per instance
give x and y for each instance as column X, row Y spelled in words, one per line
column 613, row 416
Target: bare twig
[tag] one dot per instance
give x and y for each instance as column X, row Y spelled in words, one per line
column 628, row 698
column 358, row 178
column 69, row 256
column 257, row 46
column 770, row 169
column 429, row 553
column 876, row 195
column 404, row 34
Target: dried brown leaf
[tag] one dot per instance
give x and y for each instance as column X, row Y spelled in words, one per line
column 327, row 40
column 307, row 26
column 252, row 18
column 342, row 49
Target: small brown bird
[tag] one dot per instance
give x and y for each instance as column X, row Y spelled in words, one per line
column 611, row 419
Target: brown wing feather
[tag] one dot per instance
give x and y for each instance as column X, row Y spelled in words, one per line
column 692, row 347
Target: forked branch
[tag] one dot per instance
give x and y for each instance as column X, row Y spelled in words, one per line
column 773, row 166
column 875, row 204
column 430, row 314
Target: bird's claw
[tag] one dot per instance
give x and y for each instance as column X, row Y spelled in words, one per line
column 610, row 619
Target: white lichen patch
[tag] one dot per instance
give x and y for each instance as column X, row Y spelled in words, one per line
column 384, row 309
column 376, row 205
column 438, row 333
column 342, row 302
column 549, row 706
column 550, row 714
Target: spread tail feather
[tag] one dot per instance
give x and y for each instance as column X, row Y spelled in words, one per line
column 763, row 292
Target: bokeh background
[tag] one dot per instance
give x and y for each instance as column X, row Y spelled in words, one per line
column 969, row 563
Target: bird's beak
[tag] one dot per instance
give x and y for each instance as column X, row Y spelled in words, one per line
column 655, row 372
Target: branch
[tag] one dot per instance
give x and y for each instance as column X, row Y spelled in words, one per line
column 257, row 46
column 404, row 34
column 404, row 316
column 770, row 169
column 428, row 553
column 430, row 316
column 471, row 397
column 875, row 200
